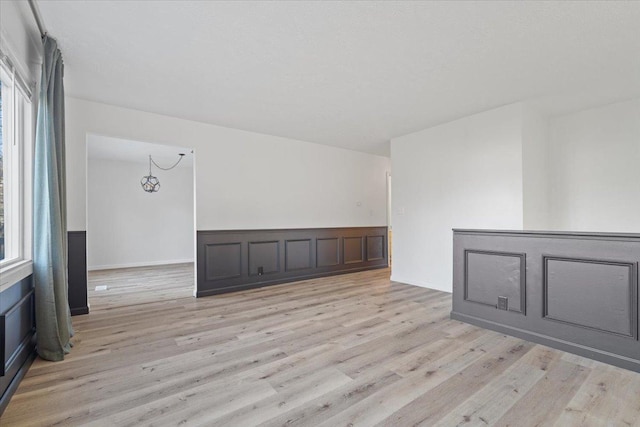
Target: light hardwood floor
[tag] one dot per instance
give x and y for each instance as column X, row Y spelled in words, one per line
column 346, row 350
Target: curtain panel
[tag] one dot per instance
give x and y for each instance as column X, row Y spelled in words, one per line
column 53, row 317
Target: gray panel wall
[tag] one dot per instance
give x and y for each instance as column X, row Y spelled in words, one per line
column 17, row 318
column 327, row 251
column 574, row 291
column 232, row 260
column 77, row 270
column 298, row 254
column 17, row 336
column 489, row 275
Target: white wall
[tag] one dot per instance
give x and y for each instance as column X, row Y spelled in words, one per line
column 594, row 169
column 243, row 179
column 20, row 38
column 462, row 174
column 128, row 227
column 512, row 168
column 535, row 170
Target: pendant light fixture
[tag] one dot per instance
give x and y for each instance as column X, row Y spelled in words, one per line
column 150, row 183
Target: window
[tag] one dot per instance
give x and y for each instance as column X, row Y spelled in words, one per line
column 15, row 168
column 1, row 181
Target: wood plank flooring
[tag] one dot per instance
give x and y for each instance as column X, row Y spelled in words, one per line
column 349, row 350
column 140, row 285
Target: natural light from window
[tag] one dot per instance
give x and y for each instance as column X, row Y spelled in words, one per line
column 15, row 132
column 1, row 180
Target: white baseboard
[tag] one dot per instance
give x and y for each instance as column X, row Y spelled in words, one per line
column 138, row 264
column 419, row 283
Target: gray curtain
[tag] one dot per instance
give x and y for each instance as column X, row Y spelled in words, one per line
column 53, row 317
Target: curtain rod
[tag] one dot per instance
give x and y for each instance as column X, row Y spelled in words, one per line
column 38, row 17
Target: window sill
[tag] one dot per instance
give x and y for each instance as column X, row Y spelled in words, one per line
column 12, row 274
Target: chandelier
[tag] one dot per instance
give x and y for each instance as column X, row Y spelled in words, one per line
column 150, row 183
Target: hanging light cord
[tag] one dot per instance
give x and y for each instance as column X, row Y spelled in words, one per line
column 160, row 167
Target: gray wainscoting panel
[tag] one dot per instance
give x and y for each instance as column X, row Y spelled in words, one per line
column 17, row 336
column 353, row 249
column 231, row 260
column 18, row 326
column 328, row 252
column 264, row 258
column 578, row 291
column 223, row 261
column 77, row 269
column 490, row 275
column 375, row 248
column 298, row 254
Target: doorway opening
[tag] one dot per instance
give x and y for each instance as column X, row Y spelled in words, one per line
column 140, row 239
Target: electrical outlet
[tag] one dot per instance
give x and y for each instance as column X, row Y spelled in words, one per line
column 503, row 303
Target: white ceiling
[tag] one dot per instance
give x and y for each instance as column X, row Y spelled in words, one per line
column 118, row 149
column 349, row 74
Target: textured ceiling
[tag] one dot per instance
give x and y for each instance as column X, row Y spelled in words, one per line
column 349, row 74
